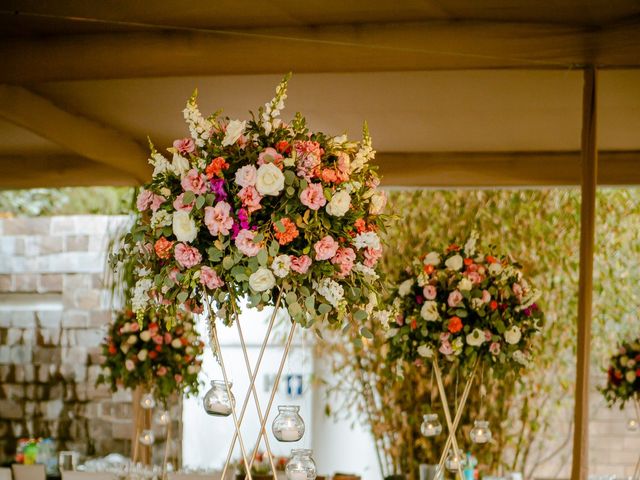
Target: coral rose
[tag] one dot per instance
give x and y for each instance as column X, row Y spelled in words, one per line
column 289, row 234
column 455, row 325
column 163, row 248
column 215, row 168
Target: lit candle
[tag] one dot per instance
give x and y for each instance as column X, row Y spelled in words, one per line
column 297, row 475
column 290, row 434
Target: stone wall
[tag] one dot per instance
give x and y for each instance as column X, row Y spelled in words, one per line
column 53, row 313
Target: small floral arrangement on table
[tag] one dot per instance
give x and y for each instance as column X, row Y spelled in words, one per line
column 261, row 466
column 466, row 306
column 145, row 352
column 257, row 209
column 623, row 375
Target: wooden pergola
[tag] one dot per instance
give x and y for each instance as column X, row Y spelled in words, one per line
column 457, row 93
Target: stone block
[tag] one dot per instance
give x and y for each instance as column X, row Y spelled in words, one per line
column 5, row 354
column 95, row 356
column 27, row 226
column 5, row 319
column 89, row 337
column 6, row 283
column 74, row 281
column 7, row 246
column 24, row 374
column 76, row 243
column 49, row 318
column 12, row 392
column 80, row 375
column 14, row 336
column 63, row 225
column 92, row 224
column 87, row 299
column 49, row 337
column 53, row 409
column 68, row 337
column 43, row 373
column 51, row 244
column 74, row 355
column 99, row 318
column 23, row 319
column 21, row 354
column 6, row 373
column 75, row 319
column 30, row 246
column 47, row 355
column 11, row 409
column 29, row 336
column 26, row 282
column 50, row 282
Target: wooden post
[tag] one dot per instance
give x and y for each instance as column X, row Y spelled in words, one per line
column 589, row 168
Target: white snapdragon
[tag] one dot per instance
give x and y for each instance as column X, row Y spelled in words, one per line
column 199, row 127
column 470, row 246
column 365, row 153
column 425, row 351
column 160, row 218
column 234, row 131
column 179, row 165
column 367, row 240
column 368, row 272
column 272, row 109
column 521, row 358
column 332, row 291
column 160, row 163
column 140, row 297
column 405, row 287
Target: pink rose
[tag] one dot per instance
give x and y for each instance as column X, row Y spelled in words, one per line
column 177, row 377
column 186, row 145
column 454, row 299
column 486, row 296
column 195, row 182
column 487, row 335
column 178, row 203
column 134, row 327
column 156, row 201
column 187, row 256
column 446, row 348
column 494, row 348
column 250, row 198
column 371, row 256
column 313, row 196
column 129, row 365
column 167, row 338
column 247, row 176
column 157, row 339
column 245, row 243
column 162, row 371
column 269, row 155
column 326, row 248
column 218, row 219
column 474, row 277
column 300, row 264
column 145, row 197
column 429, row 292
column 344, row 258
column 210, row 279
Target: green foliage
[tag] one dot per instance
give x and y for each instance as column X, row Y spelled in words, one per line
column 541, row 229
column 67, row 201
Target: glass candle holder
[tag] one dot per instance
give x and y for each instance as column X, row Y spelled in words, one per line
column 288, row 426
column 480, row 433
column 301, row 466
column 147, row 437
column 163, row 418
column 147, row 401
column 454, row 462
column 633, row 425
column 431, row 425
column 217, row 401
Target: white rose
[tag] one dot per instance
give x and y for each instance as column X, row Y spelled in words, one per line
column 145, row 335
column 339, row 204
column 246, row 176
column 235, row 129
column 192, row 369
column 176, row 343
column 425, row 351
column 432, row 258
column 378, row 202
column 495, row 268
column 465, row 284
column 476, row 338
column 429, row 311
column 405, row 287
column 630, row 376
column 520, row 357
column 270, row 180
column 262, row 280
column 132, row 340
column 513, row 335
column 281, row 265
column 183, row 227
column 142, row 355
column 180, row 165
column 454, row 263
column 125, row 348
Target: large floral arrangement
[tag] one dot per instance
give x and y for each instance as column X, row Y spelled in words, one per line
column 259, row 209
column 466, row 306
column 145, row 352
column 623, row 375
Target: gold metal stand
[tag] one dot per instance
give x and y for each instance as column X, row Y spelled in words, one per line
column 636, row 470
column 452, row 425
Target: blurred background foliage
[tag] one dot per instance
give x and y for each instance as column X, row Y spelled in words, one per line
column 530, row 416
column 66, row 201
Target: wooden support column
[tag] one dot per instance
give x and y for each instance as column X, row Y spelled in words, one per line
column 589, row 169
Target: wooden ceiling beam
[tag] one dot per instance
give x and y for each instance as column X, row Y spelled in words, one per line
column 79, row 134
column 334, row 48
column 500, row 169
column 53, row 171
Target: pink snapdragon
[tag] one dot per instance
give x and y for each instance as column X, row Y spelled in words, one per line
column 195, row 182
column 187, row 256
column 300, row 264
column 313, row 197
column 244, row 243
column 325, row 248
column 218, row 219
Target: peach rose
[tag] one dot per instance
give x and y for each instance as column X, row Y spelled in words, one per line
column 325, row 248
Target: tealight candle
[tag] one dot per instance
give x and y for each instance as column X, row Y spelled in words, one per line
column 290, row 434
column 297, row 475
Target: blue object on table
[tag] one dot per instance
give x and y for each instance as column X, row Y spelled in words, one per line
column 294, row 385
